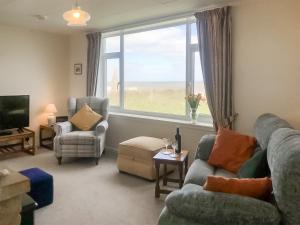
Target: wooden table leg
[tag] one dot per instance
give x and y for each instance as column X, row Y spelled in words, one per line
column 157, row 189
column 180, row 168
column 165, row 181
column 186, row 164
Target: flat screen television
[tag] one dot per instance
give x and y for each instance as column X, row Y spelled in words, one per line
column 14, row 112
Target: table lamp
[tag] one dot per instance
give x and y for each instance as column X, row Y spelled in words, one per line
column 51, row 109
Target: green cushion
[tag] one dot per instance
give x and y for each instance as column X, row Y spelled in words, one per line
column 256, row 166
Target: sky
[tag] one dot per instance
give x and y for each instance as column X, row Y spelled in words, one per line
column 154, row 56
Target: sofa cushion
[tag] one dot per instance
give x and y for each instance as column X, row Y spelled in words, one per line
column 231, row 150
column 78, row 138
column 215, row 208
column 257, row 188
column 256, row 166
column 167, row 218
column 198, row 172
column 205, row 146
column 224, row 173
column 143, row 148
column 85, row 118
column 265, row 125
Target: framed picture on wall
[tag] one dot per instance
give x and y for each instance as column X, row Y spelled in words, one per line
column 78, row 68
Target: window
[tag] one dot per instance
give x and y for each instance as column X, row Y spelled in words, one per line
column 149, row 71
column 154, row 71
column 113, row 81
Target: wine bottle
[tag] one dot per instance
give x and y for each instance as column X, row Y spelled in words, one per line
column 178, row 140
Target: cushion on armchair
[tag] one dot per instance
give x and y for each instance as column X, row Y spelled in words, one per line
column 78, row 138
column 85, row 118
column 213, row 208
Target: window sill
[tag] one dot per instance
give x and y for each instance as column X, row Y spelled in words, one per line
column 181, row 123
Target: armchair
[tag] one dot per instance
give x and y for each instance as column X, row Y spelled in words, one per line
column 70, row 142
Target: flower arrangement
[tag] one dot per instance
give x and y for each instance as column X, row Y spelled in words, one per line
column 194, row 101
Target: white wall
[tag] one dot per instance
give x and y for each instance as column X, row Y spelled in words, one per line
column 266, row 43
column 123, row 128
column 266, row 66
column 37, row 64
column 78, row 54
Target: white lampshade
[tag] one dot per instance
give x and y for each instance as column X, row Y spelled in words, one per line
column 76, row 16
column 51, row 109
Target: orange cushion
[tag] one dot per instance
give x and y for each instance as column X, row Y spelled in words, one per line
column 257, row 188
column 231, row 150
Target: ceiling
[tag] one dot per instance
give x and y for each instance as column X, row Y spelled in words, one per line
column 105, row 13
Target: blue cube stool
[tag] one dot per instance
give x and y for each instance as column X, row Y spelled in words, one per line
column 41, row 184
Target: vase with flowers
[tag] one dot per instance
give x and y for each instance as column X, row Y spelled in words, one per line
column 193, row 101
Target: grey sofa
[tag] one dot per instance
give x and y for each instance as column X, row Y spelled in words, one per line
column 194, row 206
column 70, row 142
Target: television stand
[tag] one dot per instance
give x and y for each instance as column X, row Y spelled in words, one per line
column 5, row 132
column 20, row 130
column 18, row 141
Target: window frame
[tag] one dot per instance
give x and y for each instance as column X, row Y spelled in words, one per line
column 191, row 48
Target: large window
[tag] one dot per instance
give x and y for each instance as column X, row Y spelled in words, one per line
column 149, row 71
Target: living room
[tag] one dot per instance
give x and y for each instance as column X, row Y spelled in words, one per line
column 147, row 63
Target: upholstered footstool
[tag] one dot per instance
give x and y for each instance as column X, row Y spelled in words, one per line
column 135, row 156
column 41, row 184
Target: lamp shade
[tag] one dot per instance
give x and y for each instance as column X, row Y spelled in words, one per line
column 76, row 17
column 51, row 108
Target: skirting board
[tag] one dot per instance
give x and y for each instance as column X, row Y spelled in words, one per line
column 109, row 148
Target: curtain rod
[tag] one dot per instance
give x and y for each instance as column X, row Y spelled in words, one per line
column 165, row 18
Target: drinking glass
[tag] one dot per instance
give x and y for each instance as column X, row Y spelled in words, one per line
column 167, row 142
column 174, row 146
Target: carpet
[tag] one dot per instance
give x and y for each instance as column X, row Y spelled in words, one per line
column 86, row 194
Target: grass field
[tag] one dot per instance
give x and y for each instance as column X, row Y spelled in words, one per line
column 159, row 101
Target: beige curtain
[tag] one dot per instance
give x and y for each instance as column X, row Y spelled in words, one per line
column 93, row 61
column 214, row 38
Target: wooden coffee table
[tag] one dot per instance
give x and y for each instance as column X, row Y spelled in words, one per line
column 180, row 161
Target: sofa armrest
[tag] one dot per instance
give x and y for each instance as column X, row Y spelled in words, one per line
column 101, row 127
column 214, row 208
column 205, row 146
column 63, row 128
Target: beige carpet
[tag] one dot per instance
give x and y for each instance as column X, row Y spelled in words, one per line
column 85, row 194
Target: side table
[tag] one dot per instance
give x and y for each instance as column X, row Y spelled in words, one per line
column 181, row 161
column 47, row 135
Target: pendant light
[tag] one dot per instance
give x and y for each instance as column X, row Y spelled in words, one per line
column 76, row 16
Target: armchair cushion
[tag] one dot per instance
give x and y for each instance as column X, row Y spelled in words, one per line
column 85, row 118
column 211, row 208
column 78, row 138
